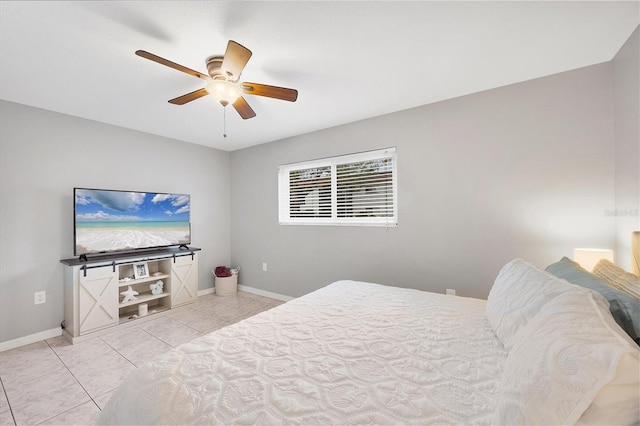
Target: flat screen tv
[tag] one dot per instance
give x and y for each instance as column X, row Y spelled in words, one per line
column 109, row 221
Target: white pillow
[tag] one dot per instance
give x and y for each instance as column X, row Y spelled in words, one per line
column 518, row 293
column 571, row 364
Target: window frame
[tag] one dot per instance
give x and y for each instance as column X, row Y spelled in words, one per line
column 284, row 186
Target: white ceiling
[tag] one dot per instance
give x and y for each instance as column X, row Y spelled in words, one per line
column 348, row 60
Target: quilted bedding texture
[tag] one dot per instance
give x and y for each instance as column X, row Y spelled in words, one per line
column 349, row 353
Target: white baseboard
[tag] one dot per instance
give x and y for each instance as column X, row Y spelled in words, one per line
column 265, row 293
column 206, row 291
column 32, row 338
column 251, row 290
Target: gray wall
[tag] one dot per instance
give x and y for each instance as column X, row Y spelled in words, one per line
column 525, row 171
column 626, row 94
column 43, row 155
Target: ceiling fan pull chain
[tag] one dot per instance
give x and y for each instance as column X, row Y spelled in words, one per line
column 224, row 121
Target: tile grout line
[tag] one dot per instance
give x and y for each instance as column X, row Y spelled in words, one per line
column 154, row 336
column 118, row 352
column 4, row 390
column 77, row 381
column 186, row 325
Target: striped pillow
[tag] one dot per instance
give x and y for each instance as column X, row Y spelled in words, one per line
column 618, row 278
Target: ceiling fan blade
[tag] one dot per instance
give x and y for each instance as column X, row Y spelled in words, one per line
column 243, row 108
column 168, row 63
column 235, row 58
column 181, row 100
column 270, row 91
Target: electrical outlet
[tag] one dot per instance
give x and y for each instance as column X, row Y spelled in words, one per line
column 451, row 292
column 40, row 297
column 264, row 266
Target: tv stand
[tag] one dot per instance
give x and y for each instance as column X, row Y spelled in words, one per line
column 183, row 247
column 83, row 258
column 92, row 301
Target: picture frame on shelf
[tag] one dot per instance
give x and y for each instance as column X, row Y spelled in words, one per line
column 140, row 270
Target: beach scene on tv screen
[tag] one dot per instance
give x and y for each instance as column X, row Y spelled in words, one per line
column 117, row 220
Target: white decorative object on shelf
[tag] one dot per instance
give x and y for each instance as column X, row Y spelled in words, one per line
column 143, row 309
column 157, row 287
column 130, row 294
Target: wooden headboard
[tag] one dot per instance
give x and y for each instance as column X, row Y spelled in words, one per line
column 635, row 251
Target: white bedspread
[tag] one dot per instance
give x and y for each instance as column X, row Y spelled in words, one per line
column 349, row 353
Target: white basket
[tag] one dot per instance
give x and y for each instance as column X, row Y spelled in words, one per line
column 226, row 286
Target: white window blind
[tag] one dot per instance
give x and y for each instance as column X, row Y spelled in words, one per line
column 356, row 189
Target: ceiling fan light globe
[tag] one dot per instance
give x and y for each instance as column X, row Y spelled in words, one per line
column 223, row 91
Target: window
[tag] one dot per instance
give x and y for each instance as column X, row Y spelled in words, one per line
column 357, row 189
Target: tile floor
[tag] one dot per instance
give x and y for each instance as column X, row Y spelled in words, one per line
column 55, row 383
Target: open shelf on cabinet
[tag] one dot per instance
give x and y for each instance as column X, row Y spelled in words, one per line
column 125, row 283
column 142, row 298
column 131, row 316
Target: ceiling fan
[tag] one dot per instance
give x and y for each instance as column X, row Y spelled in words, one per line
column 223, row 80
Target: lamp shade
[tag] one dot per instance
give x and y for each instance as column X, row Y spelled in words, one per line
column 589, row 257
column 224, row 91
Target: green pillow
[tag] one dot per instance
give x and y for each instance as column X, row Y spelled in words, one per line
column 625, row 309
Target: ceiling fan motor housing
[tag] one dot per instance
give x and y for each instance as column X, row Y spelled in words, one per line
column 214, row 67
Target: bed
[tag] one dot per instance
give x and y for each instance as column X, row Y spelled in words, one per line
column 539, row 351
